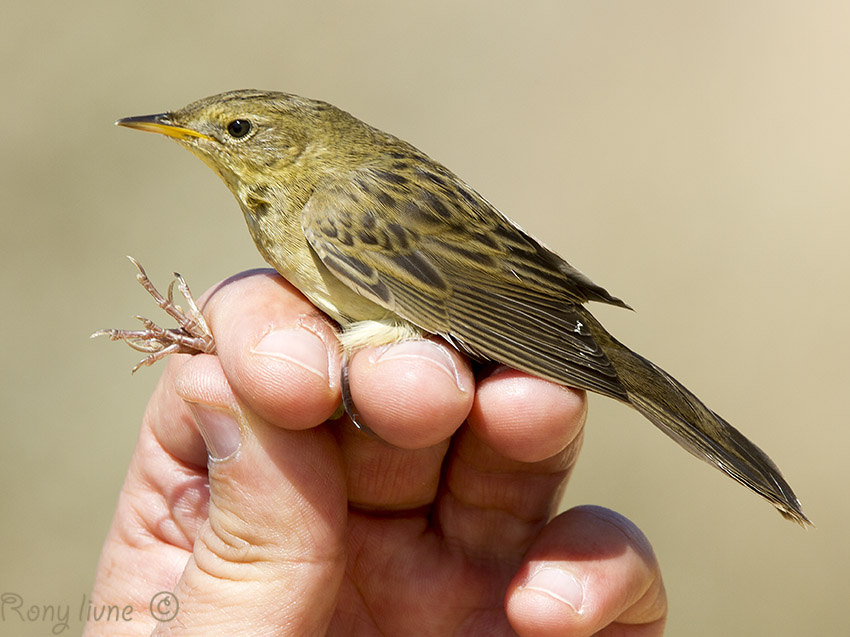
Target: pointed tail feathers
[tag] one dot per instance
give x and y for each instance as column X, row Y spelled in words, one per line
column 683, row 417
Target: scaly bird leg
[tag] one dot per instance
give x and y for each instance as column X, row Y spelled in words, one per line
column 193, row 336
column 348, row 400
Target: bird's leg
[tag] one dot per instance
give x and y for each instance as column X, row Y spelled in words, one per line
column 192, row 336
column 347, row 399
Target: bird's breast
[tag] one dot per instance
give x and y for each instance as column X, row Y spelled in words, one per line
column 281, row 241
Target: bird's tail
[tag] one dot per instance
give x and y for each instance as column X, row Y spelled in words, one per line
column 683, row 417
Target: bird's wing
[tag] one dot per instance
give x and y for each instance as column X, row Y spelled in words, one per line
column 447, row 261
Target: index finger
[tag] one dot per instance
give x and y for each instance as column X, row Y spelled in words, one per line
column 274, row 345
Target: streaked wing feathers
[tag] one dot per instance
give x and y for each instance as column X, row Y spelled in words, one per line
column 453, row 265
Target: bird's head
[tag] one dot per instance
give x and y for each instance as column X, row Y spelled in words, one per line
column 259, row 139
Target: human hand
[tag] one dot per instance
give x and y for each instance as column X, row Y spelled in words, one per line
column 301, row 525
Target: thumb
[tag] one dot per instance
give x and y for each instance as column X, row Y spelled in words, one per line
column 271, row 553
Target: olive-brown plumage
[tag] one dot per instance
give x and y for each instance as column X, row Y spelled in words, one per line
column 391, row 244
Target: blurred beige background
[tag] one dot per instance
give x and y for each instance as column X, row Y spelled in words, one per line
column 692, row 157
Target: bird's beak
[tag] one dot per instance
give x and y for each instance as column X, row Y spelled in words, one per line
column 162, row 124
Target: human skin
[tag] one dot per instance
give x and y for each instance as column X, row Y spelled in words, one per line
column 263, row 516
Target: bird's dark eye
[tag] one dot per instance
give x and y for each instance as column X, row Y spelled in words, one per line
column 239, row 128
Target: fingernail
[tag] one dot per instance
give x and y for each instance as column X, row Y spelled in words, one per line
column 219, row 430
column 422, row 350
column 559, row 584
column 297, row 346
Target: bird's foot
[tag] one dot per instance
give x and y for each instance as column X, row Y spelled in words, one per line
column 192, row 336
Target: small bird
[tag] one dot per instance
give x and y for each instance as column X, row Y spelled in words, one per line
column 392, row 245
